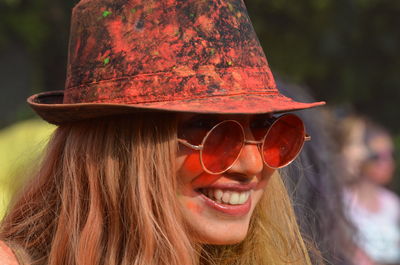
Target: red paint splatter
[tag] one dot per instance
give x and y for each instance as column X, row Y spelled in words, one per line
column 116, row 30
column 194, row 207
column 90, row 44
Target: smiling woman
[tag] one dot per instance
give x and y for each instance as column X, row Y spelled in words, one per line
column 162, row 156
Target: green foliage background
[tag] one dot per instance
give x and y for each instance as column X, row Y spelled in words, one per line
column 345, row 51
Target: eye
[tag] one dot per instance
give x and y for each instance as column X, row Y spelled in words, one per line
column 196, row 128
column 261, row 122
column 259, row 125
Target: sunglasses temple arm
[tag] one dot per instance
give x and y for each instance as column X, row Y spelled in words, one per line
column 185, row 143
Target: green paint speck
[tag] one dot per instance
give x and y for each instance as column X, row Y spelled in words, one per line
column 106, row 60
column 230, row 63
column 106, row 13
column 133, row 10
column 212, row 52
column 230, row 7
column 191, row 15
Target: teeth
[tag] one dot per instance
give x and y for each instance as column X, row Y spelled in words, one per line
column 244, row 196
column 210, row 194
column 218, row 195
column 234, row 198
column 227, row 197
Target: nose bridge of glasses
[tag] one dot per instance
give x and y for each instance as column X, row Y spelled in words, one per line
column 254, row 142
column 250, row 158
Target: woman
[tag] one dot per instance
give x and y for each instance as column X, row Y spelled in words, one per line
column 167, row 149
column 368, row 153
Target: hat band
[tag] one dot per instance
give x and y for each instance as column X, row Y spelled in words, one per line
column 179, row 84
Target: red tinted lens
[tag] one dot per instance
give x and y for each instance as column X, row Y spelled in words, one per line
column 283, row 141
column 222, row 146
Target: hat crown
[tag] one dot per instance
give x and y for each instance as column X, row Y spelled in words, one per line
column 144, row 51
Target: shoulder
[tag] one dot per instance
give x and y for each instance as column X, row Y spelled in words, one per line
column 389, row 196
column 390, row 201
column 7, row 256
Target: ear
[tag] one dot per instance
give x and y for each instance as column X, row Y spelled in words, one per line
column 7, row 256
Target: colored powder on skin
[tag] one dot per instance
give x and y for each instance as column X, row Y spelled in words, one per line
column 192, row 164
column 133, row 10
column 106, row 60
column 194, row 207
column 192, row 167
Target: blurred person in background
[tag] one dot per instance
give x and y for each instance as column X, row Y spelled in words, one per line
column 313, row 182
column 367, row 152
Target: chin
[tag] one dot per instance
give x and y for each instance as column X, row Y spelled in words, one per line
column 215, row 225
column 223, row 237
column 210, row 227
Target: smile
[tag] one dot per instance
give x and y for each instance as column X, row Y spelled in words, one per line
column 226, row 196
column 229, row 200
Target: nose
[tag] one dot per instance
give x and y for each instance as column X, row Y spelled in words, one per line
column 249, row 162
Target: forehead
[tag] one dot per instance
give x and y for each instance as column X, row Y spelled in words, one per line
column 381, row 143
column 238, row 117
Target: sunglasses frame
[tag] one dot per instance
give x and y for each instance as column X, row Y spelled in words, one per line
column 260, row 143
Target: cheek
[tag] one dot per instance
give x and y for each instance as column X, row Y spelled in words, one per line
column 188, row 167
column 265, row 177
column 205, row 180
column 192, row 164
column 191, row 171
column 194, row 207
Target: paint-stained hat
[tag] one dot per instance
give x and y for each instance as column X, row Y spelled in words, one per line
column 198, row 56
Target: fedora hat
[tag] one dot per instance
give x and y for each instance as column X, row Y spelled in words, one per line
column 199, row 56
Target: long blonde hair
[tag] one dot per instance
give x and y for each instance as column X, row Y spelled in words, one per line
column 105, row 193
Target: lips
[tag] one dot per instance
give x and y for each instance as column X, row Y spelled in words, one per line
column 230, row 199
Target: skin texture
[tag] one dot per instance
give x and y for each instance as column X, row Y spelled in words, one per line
column 6, row 255
column 207, row 224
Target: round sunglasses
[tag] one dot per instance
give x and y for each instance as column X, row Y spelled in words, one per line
column 279, row 144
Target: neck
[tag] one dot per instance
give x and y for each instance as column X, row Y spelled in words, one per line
column 367, row 193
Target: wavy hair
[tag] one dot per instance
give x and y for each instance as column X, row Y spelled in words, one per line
column 105, row 193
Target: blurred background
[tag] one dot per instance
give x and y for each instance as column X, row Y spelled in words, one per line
column 343, row 51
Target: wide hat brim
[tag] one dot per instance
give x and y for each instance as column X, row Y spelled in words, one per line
column 50, row 106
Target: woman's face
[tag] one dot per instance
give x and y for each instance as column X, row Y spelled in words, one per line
column 218, row 208
column 380, row 167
